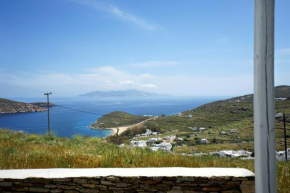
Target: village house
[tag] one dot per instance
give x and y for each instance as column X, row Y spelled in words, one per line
column 164, row 146
column 197, row 129
column 146, row 134
column 140, row 143
column 234, row 154
column 169, row 138
column 223, row 133
column 278, row 115
column 179, row 139
column 152, row 140
column 280, row 155
column 203, row 141
column 280, row 99
column 189, row 116
column 154, row 148
column 233, row 131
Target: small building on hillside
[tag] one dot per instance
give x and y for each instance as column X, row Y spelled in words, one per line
column 154, row 148
column 164, row 146
column 281, row 156
column 203, row 141
column 155, row 133
column 280, row 99
column 179, row 114
column 223, row 133
column 189, row 116
column 140, row 143
column 233, row 131
column 278, row 115
column 201, row 129
column 169, row 138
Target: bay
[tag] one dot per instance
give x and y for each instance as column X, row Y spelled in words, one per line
column 72, row 115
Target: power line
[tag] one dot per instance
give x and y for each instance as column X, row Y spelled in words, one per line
column 82, row 111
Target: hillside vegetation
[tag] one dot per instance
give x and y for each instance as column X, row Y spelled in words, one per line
column 217, row 117
column 20, row 151
column 117, row 118
column 9, row 106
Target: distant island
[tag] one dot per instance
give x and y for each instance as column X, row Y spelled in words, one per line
column 126, row 93
column 10, row 106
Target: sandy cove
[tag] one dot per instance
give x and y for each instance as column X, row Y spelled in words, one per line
column 124, row 128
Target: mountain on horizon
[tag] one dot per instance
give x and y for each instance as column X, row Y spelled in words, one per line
column 125, row 93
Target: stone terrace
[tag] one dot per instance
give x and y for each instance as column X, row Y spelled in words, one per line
column 115, row 180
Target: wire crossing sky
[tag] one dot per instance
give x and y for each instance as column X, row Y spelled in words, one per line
column 188, row 47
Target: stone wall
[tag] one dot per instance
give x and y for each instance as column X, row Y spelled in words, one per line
column 112, row 184
column 122, row 183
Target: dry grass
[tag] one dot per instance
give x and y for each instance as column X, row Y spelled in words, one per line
column 18, row 150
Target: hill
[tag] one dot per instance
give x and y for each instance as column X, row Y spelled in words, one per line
column 126, row 93
column 10, row 106
column 218, row 118
column 117, row 118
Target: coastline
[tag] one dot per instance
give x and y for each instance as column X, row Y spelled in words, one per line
column 122, row 128
column 114, row 130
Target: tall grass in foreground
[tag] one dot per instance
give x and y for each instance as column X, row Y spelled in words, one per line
column 18, row 150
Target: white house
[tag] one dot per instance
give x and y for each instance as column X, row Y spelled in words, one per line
column 234, row 154
column 169, row 138
column 179, row 114
column 164, row 146
column 148, row 132
column 154, row 148
column 152, row 140
column 278, row 115
column 233, row 131
column 223, row 133
column 180, row 139
column 201, row 128
column 280, row 99
column 189, row 116
column 203, row 141
column 140, row 143
column 280, row 155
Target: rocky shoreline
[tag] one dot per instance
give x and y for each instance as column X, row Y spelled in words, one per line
column 9, row 106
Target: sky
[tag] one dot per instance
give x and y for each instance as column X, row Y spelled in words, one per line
column 177, row 47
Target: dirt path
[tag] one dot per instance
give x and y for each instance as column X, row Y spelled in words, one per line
column 122, row 129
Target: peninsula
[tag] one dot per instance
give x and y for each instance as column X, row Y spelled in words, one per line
column 10, row 106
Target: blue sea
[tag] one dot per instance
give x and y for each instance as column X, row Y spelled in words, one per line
column 66, row 122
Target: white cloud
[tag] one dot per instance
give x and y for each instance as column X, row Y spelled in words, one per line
column 148, row 85
column 133, row 19
column 154, row 64
column 119, row 13
column 127, row 82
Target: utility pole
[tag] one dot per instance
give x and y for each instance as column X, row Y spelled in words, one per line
column 48, row 122
column 264, row 102
column 285, row 141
